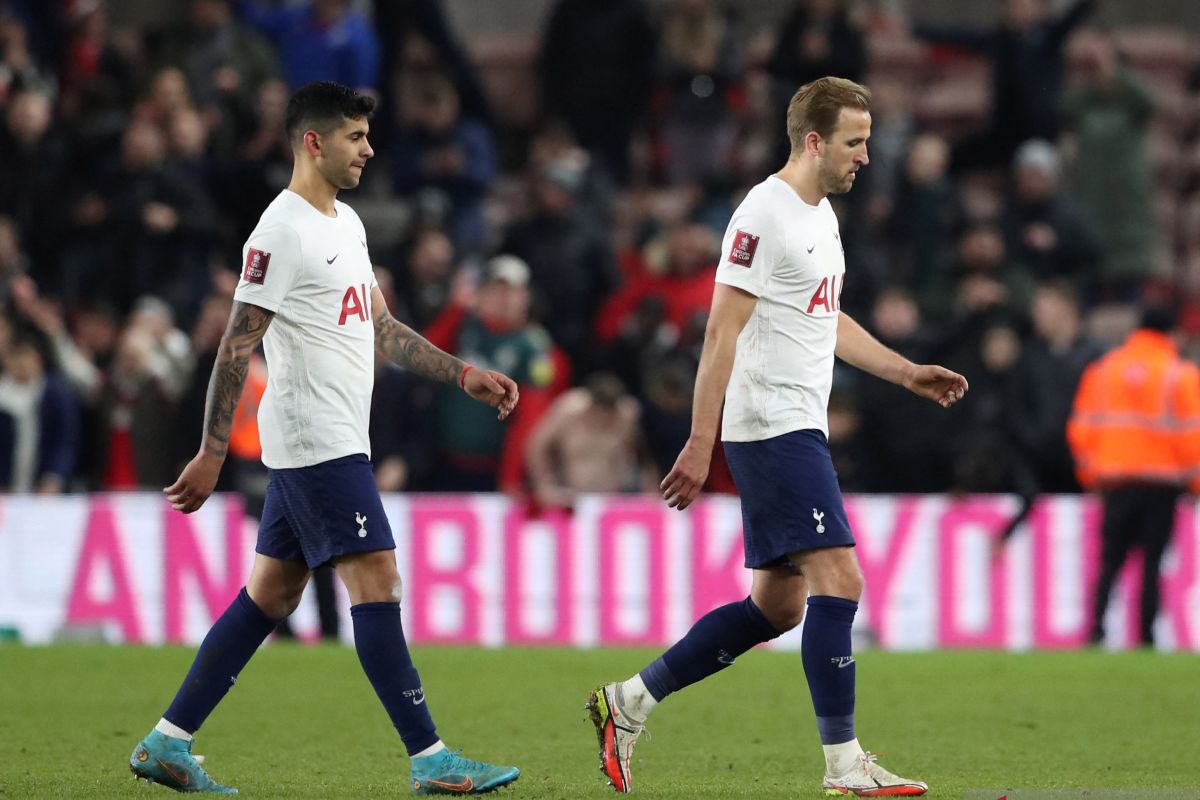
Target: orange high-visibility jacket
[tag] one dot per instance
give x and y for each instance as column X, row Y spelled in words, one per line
column 243, row 434
column 1137, row 416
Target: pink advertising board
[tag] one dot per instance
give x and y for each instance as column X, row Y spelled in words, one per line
column 618, row 571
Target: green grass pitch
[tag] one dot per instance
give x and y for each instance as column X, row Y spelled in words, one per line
column 302, row 722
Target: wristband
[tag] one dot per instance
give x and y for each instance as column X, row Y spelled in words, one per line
column 462, row 379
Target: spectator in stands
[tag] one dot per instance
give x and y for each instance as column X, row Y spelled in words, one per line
column 19, row 67
column 1026, row 51
column 901, row 429
column 981, row 279
column 476, row 452
column 167, row 95
column 667, row 410
column 145, row 225
column 572, row 265
column 401, row 438
column 39, row 421
column 589, row 440
column 33, row 166
column 438, row 149
column 553, row 144
column 1046, row 229
column 986, row 456
column 425, row 279
column 224, row 60
column 597, row 69
column 139, row 400
column 852, row 452
column 1044, row 382
column 94, row 53
column 819, row 38
column 13, row 260
column 699, row 91
column 1107, row 117
column 263, row 161
column 320, row 40
column 677, row 270
column 47, row 318
column 427, row 20
column 925, row 212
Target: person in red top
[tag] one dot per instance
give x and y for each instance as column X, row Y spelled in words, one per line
column 1135, row 435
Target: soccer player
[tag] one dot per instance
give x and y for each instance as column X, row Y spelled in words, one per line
column 773, row 331
column 308, row 294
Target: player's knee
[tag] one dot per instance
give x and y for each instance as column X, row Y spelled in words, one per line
column 850, row 584
column 784, row 619
column 275, row 603
column 783, row 614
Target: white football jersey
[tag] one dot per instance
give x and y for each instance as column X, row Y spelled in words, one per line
column 314, row 272
column 789, row 255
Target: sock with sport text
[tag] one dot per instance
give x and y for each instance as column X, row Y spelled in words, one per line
column 226, row 649
column 829, row 666
column 711, row 645
column 383, row 653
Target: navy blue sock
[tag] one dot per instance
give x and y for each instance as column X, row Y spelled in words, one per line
column 711, row 645
column 379, row 639
column 227, row 647
column 829, row 665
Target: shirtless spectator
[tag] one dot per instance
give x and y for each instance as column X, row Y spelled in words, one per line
column 589, row 441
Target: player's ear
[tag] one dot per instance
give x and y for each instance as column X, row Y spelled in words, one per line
column 812, row 143
column 311, row 142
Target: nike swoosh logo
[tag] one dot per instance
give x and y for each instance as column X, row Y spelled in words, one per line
column 725, row 660
column 331, row 260
column 814, row 247
column 180, row 777
column 462, row 787
column 417, row 702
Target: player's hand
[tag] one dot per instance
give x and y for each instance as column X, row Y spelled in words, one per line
column 687, row 477
column 195, row 483
column 491, row 387
column 936, row 383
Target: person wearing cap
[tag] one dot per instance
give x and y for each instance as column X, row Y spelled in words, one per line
column 473, row 452
column 1135, row 435
column 1047, row 231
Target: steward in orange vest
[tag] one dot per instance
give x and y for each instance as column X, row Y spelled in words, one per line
column 1135, row 435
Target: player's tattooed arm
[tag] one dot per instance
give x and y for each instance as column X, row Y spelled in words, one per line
column 247, row 325
column 403, row 346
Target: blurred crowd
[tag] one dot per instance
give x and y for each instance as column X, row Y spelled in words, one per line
column 1032, row 183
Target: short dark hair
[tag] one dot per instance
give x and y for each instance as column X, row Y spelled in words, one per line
column 816, row 106
column 323, row 106
column 1159, row 316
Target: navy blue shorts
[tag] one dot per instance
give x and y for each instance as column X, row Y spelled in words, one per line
column 314, row 514
column 791, row 500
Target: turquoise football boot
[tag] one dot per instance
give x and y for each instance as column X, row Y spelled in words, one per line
column 446, row 772
column 169, row 761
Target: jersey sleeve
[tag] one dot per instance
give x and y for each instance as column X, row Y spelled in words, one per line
column 271, row 266
column 752, row 249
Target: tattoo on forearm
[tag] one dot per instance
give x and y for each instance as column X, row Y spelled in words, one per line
column 402, row 345
column 247, row 324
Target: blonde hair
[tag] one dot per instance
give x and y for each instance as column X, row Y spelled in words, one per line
column 815, row 107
